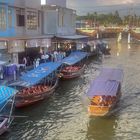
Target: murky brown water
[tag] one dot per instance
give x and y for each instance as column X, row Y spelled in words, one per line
column 64, row 117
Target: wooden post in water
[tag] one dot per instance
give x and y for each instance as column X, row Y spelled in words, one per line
column 129, row 38
column 119, row 37
column 97, row 35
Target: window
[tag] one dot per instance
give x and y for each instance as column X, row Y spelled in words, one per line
column 10, row 17
column 2, row 18
column 60, row 19
column 20, row 17
column 73, row 20
column 39, row 19
column 32, row 20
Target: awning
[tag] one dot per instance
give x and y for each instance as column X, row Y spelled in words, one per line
column 25, row 37
column 72, row 37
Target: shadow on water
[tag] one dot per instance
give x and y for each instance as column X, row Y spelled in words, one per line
column 101, row 128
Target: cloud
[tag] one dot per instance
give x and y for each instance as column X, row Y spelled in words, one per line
column 84, row 6
column 128, row 1
column 85, row 3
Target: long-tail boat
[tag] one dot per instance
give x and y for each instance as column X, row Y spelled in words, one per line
column 73, row 65
column 98, row 47
column 38, row 84
column 105, row 48
column 7, row 95
column 104, row 92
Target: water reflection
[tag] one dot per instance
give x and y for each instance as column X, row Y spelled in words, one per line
column 101, row 128
column 129, row 46
column 119, row 49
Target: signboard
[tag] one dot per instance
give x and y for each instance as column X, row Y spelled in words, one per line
column 33, row 43
column 46, row 43
column 79, row 46
column 16, row 46
column 3, row 45
column 61, row 3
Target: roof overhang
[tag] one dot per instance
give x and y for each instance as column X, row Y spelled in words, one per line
column 72, row 37
column 25, row 37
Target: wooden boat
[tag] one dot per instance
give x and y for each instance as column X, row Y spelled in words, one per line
column 6, row 107
column 94, row 48
column 102, row 105
column 31, row 95
column 103, row 48
column 105, row 92
column 37, row 84
column 73, row 65
column 70, row 72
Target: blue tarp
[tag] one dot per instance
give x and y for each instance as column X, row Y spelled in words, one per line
column 74, row 58
column 5, row 94
column 36, row 75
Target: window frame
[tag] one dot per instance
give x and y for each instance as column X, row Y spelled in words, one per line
column 3, row 18
column 32, row 20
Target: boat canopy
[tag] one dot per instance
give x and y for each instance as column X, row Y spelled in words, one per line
column 115, row 74
column 106, row 83
column 74, row 57
column 5, row 94
column 34, row 76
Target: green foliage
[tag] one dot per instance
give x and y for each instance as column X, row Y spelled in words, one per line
column 111, row 19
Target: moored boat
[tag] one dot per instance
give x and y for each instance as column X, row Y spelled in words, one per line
column 104, row 92
column 31, row 95
column 37, row 84
column 70, row 72
column 73, row 66
column 6, row 107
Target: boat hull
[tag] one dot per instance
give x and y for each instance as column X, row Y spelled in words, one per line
column 100, row 110
column 71, row 75
column 23, row 101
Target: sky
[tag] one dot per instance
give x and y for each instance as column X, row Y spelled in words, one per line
column 84, row 6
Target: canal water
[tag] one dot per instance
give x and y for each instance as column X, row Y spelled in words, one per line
column 64, row 116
